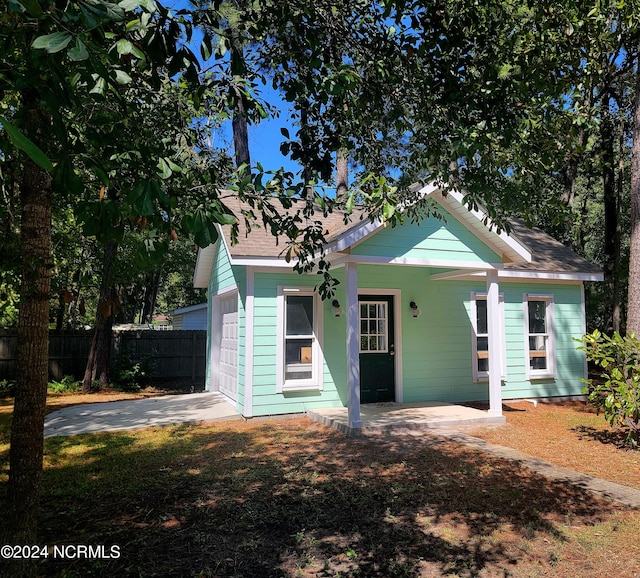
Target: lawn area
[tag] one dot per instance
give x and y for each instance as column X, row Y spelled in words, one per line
column 292, row 498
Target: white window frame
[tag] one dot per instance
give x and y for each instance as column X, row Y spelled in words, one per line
column 550, row 371
column 385, row 304
column 316, row 381
column 479, row 376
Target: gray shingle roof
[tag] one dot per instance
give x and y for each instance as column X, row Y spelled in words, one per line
column 261, row 243
column 549, row 255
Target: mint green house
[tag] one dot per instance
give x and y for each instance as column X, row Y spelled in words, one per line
column 444, row 310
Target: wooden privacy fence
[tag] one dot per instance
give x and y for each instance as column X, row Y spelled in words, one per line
column 176, row 355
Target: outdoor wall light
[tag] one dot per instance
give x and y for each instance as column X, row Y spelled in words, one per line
column 337, row 311
column 415, row 310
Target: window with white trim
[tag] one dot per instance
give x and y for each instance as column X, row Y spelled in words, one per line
column 539, row 336
column 299, row 330
column 374, row 333
column 480, row 337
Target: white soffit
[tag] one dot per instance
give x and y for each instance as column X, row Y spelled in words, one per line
column 204, row 265
column 502, row 243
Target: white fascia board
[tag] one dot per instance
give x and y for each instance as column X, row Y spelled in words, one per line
column 502, row 243
column 267, row 262
column 204, row 265
column 457, row 274
column 518, row 276
column 550, row 275
column 436, row 263
column 353, row 236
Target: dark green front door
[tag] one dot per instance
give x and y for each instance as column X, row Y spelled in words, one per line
column 377, row 353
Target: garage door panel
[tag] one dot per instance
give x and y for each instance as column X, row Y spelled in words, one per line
column 228, row 365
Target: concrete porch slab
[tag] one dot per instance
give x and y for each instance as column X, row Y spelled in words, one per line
column 383, row 417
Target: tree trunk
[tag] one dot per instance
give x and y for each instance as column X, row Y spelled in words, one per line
column 633, row 296
column 610, row 201
column 342, row 175
column 27, row 431
column 240, row 134
column 239, row 122
column 152, row 285
column 618, row 306
column 99, row 358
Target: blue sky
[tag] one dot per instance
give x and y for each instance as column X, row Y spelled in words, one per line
column 264, row 138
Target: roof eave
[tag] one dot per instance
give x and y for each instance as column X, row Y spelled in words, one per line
column 204, row 266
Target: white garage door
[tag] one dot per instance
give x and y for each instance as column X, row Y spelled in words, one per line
column 228, row 365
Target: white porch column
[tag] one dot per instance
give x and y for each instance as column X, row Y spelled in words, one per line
column 353, row 349
column 495, row 351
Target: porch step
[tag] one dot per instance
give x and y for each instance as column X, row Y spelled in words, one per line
column 388, row 417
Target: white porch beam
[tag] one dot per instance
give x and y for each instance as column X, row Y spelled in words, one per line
column 495, row 350
column 457, row 274
column 353, row 349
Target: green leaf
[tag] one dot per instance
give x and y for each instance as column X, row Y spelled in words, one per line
column 100, row 86
column 224, row 218
column 52, row 43
column 351, row 199
column 164, row 170
column 27, row 146
column 206, row 48
column 65, row 178
column 124, row 47
column 78, row 52
column 122, row 77
column 31, row 6
column 173, row 166
column 141, row 199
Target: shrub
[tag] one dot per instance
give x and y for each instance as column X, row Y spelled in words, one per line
column 66, row 385
column 617, row 393
column 6, row 388
column 132, row 375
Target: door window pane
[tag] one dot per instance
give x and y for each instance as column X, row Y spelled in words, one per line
column 373, row 327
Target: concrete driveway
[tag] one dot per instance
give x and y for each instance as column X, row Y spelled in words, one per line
column 138, row 413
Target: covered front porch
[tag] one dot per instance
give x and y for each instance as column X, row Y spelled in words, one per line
column 388, row 417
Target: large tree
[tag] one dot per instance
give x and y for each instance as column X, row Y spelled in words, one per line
column 54, row 57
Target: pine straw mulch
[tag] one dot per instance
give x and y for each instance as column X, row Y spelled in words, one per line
column 569, row 434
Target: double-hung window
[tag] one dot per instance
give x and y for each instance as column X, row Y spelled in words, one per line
column 480, row 337
column 299, row 349
column 539, row 336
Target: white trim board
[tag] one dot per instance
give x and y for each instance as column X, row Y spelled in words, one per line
column 397, row 327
